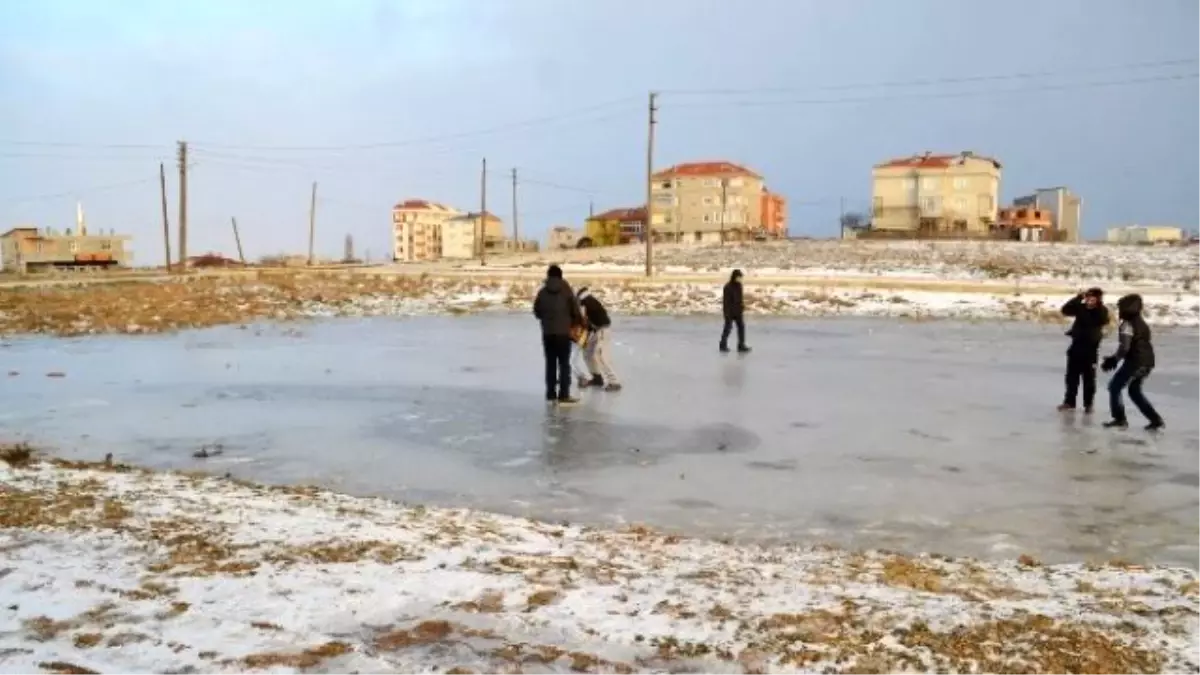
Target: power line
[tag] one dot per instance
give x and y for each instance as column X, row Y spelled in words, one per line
column 936, row 81
column 938, row 95
column 549, row 119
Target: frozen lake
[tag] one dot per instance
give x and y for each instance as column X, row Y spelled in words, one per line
column 911, row 436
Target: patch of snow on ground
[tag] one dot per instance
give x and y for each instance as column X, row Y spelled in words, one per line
column 115, row 569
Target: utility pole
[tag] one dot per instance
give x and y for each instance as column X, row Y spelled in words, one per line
column 516, row 230
column 647, row 228
column 724, row 187
column 591, row 208
column 238, row 240
column 312, row 223
column 183, row 206
column 482, row 232
column 162, row 188
column 842, row 216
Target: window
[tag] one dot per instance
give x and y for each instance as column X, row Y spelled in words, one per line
column 960, row 204
column 666, row 185
column 708, row 218
column 930, row 183
column 711, row 182
column 698, row 237
column 735, row 182
column 708, row 201
column 930, row 204
column 960, row 183
column 106, row 246
column 73, row 246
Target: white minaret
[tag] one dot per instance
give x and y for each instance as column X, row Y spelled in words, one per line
column 80, row 223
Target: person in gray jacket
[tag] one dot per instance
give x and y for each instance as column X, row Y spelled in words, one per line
column 557, row 308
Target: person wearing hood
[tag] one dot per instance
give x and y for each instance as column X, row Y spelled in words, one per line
column 1091, row 316
column 733, row 306
column 1135, row 356
column 558, row 311
column 595, row 351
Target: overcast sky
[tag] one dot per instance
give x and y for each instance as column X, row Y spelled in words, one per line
column 382, row 100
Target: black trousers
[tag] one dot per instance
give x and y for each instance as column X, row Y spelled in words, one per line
column 730, row 321
column 557, row 350
column 1131, row 376
column 1081, row 365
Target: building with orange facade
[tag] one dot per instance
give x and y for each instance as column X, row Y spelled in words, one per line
column 703, row 202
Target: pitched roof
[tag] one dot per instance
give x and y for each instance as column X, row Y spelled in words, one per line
column 624, row 215
column 929, row 160
column 421, row 204
column 714, row 168
column 475, row 214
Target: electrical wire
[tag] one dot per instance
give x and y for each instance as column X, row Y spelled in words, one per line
column 923, row 82
column 539, row 121
column 938, row 95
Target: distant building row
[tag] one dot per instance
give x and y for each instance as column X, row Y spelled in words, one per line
column 425, row 230
column 959, row 196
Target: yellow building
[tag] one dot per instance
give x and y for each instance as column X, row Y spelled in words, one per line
column 936, row 194
column 615, row 226
column 1145, row 234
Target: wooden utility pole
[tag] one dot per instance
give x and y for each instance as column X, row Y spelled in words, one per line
column 482, row 232
column 516, row 229
column 647, row 227
column 162, row 188
column 183, row 206
column 312, row 223
column 238, row 240
column 842, row 216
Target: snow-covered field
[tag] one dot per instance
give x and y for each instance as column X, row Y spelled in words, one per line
column 1160, row 267
column 150, row 307
column 108, row 568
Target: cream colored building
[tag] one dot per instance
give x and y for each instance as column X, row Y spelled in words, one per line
column 563, row 237
column 417, row 229
column 1145, row 234
column 460, row 235
column 933, row 194
column 694, row 202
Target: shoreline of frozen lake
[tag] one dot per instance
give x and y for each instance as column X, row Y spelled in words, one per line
column 110, row 568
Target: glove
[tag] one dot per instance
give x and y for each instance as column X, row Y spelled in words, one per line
column 1108, row 364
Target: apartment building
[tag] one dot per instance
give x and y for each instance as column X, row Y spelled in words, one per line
column 616, row 226
column 936, row 194
column 1145, row 234
column 1025, row 223
column 417, row 229
column 461, row 235
column 31, row 249
column 695, row 202
column 563, row 237
column 1064, row 207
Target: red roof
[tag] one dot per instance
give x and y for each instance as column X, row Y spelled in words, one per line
column 717, row 168
column 421, row 204
column 929, row 160
column 625, row 215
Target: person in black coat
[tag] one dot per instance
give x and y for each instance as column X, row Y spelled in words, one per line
column 733, row 306
column 558, row 311
column 1135, row 354
column 1087, row 330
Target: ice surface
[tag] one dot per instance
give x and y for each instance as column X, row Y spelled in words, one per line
column 912, row 436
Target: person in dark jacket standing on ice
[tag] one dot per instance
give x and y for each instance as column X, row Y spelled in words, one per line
column 558, row 311
column 1135, row 354
column 1091, row 316
column 733, row 306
